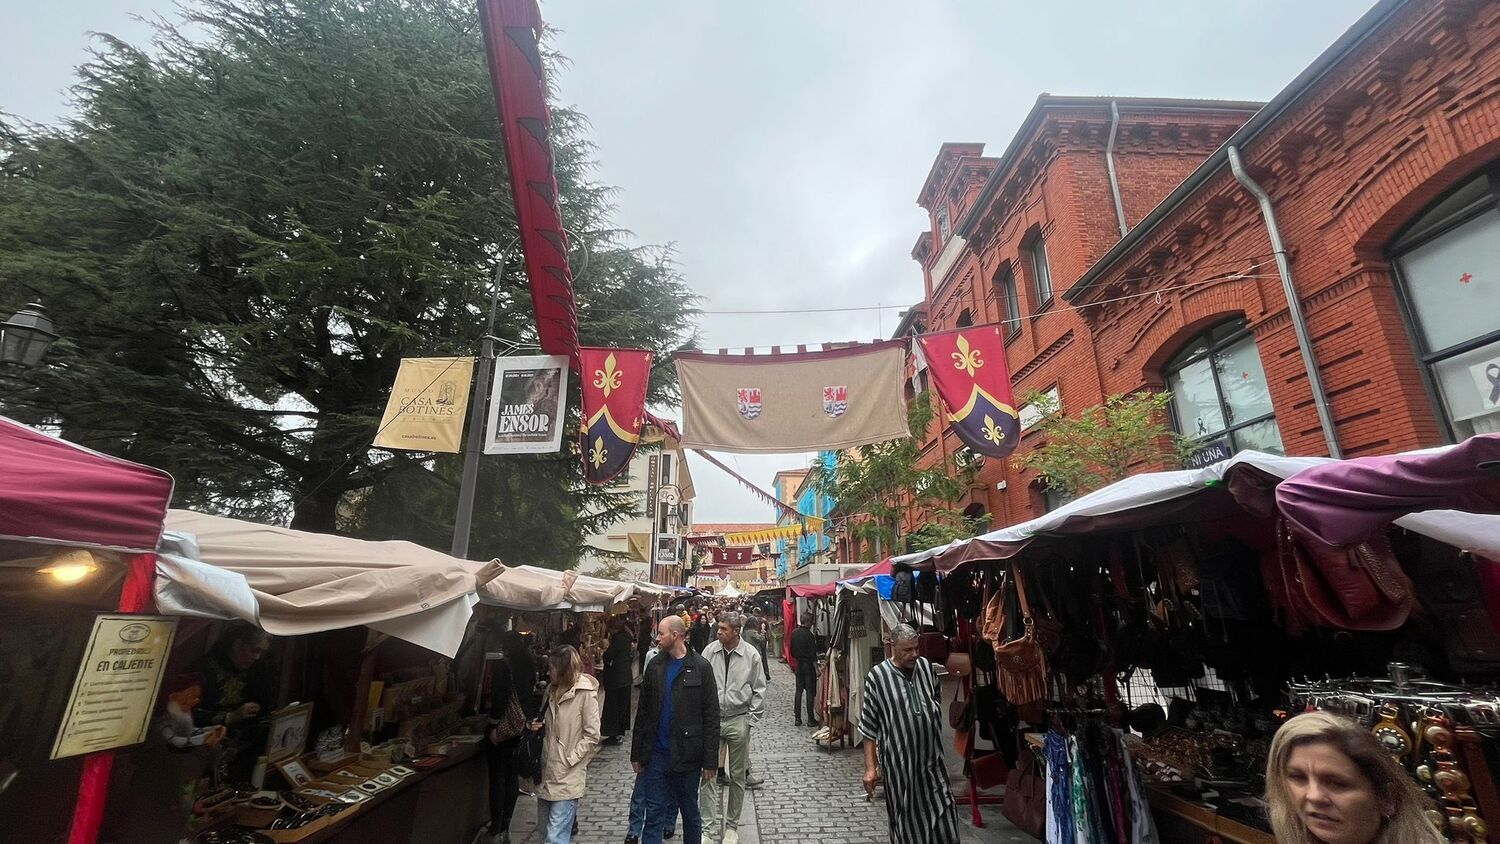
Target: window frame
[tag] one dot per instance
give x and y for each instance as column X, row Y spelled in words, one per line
column 944, row 224
column 1183, row 359
column 1010, row 300
column 1041, row 270
column 1419, row 232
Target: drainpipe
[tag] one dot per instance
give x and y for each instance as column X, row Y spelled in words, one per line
column 1109, row 161
column 1293, row 303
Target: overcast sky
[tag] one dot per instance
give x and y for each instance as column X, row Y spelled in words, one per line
column 780, row 145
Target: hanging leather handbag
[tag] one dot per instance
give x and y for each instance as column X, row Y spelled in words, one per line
column 990, row 770
column 1025, row 803
column 1023, row 666
column 512, row 723
column 960, row 711
column 934, row 646
column 1361, row 587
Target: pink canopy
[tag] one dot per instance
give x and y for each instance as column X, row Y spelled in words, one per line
column 1345, row 502
column 56, row 492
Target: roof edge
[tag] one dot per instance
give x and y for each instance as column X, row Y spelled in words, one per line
column 1351, row 40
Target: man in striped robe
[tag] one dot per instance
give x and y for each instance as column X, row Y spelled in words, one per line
column 901, row 722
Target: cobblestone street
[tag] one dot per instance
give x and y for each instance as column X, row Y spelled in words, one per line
column 810, row 794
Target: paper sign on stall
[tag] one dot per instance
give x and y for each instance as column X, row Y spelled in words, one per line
column 117, row 684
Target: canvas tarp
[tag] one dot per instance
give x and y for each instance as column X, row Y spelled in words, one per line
column 292, row 582
column 795, row 402
column 1160, row 495
column 55, row 492
column 530, row 588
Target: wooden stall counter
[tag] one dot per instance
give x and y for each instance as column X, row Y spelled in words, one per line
column 1184, row 821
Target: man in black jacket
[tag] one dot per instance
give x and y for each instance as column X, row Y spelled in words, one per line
column 804, row 648
column 675, row 744
column 618, row 676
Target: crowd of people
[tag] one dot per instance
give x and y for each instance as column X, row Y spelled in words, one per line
column 702, row 670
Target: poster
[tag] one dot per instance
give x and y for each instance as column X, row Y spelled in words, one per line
column 114, row 694
column 1486, row 375
column 666, row 550
column 526, row 405
column 427, row 406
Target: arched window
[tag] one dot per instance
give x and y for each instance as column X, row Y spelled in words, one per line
column 1448, row 263
column 1219, row 391
column 965, row 319
column 1005, row 287
column 1041, row 273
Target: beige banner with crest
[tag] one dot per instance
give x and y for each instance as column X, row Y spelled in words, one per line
column 428, row 405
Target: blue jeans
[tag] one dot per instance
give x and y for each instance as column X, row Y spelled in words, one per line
column 638, row 801
column 557, row 818
column 668, row 792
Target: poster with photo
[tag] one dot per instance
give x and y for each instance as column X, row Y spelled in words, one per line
column 526, row 405
column 666, row 549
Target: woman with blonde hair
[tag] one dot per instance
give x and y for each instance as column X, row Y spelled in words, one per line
column 1329, row 781
column 572, row 723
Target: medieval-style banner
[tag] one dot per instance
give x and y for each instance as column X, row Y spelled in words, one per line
column 788, row 532
column 614, row 401
column 427, row 406
column 799, row 401
column 511, row 31
column 968, row 370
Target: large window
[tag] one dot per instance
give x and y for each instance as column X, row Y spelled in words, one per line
column 1448, row 261
column 1005, row 285
column 1219, row 391
column 945, row 224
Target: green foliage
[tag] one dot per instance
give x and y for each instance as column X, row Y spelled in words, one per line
column 610, row 570
column 249, row 224
column 1101, row 444
column 883, row 481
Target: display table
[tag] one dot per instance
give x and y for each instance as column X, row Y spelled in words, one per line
column 449, row 802
column 1181, row 820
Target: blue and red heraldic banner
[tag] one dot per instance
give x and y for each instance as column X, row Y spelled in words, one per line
column 511, row 31
column 614, row 401
column 968, row 370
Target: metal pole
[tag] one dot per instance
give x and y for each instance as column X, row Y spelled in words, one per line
column 463, row 518
column 1293, row 303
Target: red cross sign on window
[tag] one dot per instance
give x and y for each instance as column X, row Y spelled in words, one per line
column 1466, row 278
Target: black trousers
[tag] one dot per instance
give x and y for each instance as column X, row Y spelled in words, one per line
column 505, row 782
column 807, row 679
column 614, row 720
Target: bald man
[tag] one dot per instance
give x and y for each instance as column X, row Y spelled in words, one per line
column 675, row 743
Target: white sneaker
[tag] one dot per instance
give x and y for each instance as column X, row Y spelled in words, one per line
column 731, row 836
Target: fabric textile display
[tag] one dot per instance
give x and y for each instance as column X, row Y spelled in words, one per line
column 793, row 402
column 511, row 32
column 614, row 399
column 428, row 404
column 970, row 374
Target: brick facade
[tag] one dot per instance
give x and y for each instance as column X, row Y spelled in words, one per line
column 1404, row 108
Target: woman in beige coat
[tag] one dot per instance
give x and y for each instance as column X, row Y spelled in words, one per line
column 572, row 739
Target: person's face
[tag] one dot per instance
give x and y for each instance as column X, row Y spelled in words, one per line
column 666, row 637
column 1333, row 797
column 246, row 652
column 728, row 636
column 904, row 654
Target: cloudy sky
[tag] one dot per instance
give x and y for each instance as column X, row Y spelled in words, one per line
column 780, row 145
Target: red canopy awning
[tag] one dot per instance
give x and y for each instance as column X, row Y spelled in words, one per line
column 814, row 590
column 56, row 492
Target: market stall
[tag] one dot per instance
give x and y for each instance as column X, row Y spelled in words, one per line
column 78, row 532
column 1184, row 607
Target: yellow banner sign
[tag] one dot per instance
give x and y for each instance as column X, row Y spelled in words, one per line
column 756, row 537
column 427, row 405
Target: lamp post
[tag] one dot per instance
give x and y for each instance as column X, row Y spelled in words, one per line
column 25, row 337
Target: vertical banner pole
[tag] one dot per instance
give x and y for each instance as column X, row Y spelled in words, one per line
column 463, row 518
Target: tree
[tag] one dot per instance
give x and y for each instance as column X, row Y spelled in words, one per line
column 245, row 229
column 1101, row 444
column 884, row 482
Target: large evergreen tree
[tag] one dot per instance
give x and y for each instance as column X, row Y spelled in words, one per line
column 249, row 223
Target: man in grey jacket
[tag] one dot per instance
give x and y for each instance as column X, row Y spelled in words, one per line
column 741, row 680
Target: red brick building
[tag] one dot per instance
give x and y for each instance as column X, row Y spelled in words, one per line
column 1120, row 251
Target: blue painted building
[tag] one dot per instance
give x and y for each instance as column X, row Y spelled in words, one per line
column 795, row 487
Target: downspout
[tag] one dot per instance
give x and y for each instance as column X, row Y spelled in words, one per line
column 1109, row 161
column 1293, row 303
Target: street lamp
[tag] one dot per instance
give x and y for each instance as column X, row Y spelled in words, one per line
column 26, row 336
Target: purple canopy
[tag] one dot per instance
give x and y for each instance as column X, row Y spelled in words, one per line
column 1345, row 502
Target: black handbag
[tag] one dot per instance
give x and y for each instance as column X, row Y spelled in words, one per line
column 530, row 754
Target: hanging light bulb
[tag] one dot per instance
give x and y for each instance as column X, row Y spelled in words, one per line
column 71, row 566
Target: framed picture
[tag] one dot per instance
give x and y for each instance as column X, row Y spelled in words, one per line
column 370, row 787
column 354, row 795
column 289, row 729
column 294, row 772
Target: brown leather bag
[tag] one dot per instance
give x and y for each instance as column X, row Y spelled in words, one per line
column 1361, row 587
column 1023, row 666
column 990, row 770
column 1026, row 796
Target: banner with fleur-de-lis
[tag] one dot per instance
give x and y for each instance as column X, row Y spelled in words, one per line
column 614, row 399
column 967, row 368
column 526, row 405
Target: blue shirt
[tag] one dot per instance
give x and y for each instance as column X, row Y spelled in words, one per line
column 664, row 725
